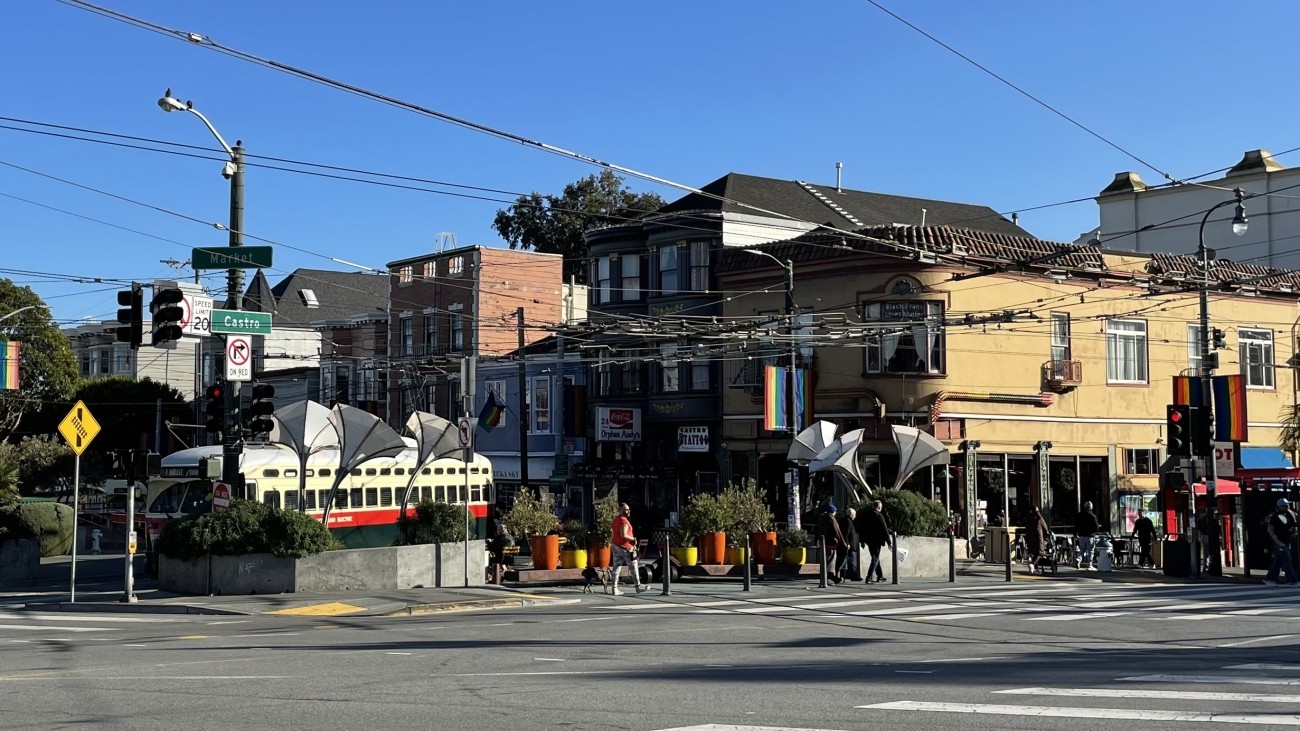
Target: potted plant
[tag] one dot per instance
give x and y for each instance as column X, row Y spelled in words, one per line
column 705, row 515
column 599, row 538
column 793, row 542
column 574, row 555
column 749, row 515
column 533, row 517
column 683, row 542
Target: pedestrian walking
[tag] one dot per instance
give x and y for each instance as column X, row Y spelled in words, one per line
column 1085, row 527
column 849, row 565
column 829, row 528
column 623, row 551
column 873, row 530
column 1145, row 533
column 1036, row 533
column 1282, row 531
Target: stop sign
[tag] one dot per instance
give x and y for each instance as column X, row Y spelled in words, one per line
column 220, row 497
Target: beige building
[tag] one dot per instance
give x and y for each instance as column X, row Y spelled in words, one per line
column 1045, row 367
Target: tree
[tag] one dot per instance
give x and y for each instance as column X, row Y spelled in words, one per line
column 47, row 367
column 42, row 463
column 8, row 478
column 555, row 224
column 127, row 410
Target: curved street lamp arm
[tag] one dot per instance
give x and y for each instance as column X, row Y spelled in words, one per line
column 213, row 130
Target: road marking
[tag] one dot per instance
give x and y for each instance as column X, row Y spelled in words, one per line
column 734, row 727
column 192, row 637
column 1274, row 719
column 1287, row 667
column 232, row 621
column 915, row 672
column 397, row 653
column 1224, row 679
column 134, row 645
column 585, row 619
column 524, row 674
column 966, row 615
column 968, row 659
column 1253, row 640
column 115, row 678
column 1186, row 695
column 549, row 659
column 43, row 617
column 1074, row 617
column 328, row 609
column 42, row 627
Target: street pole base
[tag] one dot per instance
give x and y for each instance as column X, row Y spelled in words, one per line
column 129, row 599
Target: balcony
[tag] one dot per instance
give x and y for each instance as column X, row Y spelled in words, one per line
column 1063, row 375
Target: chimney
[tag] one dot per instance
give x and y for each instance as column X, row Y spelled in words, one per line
column 839, row 174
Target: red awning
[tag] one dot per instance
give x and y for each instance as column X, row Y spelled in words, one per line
column 1221, row 487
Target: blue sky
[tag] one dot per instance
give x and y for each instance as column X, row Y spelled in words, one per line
column 684, row 91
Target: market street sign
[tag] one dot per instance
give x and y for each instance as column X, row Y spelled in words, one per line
column 238, row 322
column 230, row 257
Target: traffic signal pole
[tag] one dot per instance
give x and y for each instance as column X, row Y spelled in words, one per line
column 232, row 444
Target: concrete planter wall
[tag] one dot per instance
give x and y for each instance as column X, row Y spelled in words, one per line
column 20, row 560
column 360, row 569
column 927, row 558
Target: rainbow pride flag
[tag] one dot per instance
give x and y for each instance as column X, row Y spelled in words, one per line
column 1230, row 408
column 777, row 386
column 489, row 417
column 9, row 361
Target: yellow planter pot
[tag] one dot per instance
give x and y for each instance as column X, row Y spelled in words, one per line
column 687, row 556
column 736, row 556
column 794, row 556
column 573, row 559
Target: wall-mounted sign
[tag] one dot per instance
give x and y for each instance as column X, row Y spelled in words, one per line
column 692, row 439
column 618, row 424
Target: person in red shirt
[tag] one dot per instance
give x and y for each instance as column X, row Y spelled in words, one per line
column 623, row 551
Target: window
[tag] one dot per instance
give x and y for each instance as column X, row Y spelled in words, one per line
column 668, row 269
column 630, row 377
column 1194, row 348
column 372, row 497
column 1060, row 343
column 340, row 498
column 630, row 277
column 605, row 378
column 430, row 333
column 426, row 492
column 291, row 500
column 457, row 329
column 497, row 389
column 1256, row 357
column 602, row 279
column 408, row 338
column 700, row 380
column 404, row 275
column 1141, row 461
column 386, row 496
column 426, row 270
column 456, row 266
column 909, row 340
column 355, row 497
column 97, row 363
column 309, row 299
column 671, row 374
column 272, row 498
column 309, row 500
column 1126, row 351
column 699, row 266
column 271, row 473
column 541, row 405
column 122, row 358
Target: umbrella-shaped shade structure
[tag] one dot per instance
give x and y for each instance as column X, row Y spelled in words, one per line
column 362, row 437
column 841, row 457
column 304, row 427
column 916, row 449
column 435, row 438
column 811, row 441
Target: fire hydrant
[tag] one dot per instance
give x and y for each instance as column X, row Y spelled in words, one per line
column 1104, row 556
column 95, row 535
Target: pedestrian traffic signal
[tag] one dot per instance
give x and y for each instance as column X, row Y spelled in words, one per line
column 1178, row 430
column 216, row 409
column 167, row 315
column 131, row 316
column 1219, row 342
column 259, row 412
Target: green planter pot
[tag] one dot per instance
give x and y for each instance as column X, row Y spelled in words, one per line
column 795, row 556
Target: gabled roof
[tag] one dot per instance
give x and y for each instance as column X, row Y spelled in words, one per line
column 336, row 295
column 847, row 209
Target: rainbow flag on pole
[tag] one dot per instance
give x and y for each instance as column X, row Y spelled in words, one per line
column 9, row 360
column 778, row 384
column 489, row 417
column 1230, row 408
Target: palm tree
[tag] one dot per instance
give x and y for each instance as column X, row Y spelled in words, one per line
column 1289, row 438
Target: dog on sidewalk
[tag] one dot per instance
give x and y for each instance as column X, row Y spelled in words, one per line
column 593, row 574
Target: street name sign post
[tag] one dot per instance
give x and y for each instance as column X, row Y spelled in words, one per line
column 79, row 428
column 230, row 257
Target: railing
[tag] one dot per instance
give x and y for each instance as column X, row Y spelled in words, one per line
column 1063, row 373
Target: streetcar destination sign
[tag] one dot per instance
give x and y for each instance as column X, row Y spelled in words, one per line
column 238, row 322
column 230, row 257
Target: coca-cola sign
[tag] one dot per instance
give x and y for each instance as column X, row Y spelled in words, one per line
column 616, row 424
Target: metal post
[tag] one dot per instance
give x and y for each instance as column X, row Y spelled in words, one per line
column 749, row 570
column 235, row 277
column 128, row 578
column 952, row 557
column 893, row 541
column 821, row 543
column 157, row 426
column 666, row 562
column 76, row 506
column 1007, row 544
column 523, row 405
column 468, row 376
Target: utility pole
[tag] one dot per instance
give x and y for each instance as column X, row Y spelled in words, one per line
column 232, row 445
column 523, row 405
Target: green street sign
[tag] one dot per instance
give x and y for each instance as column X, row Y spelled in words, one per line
column 238, row 322
column 230, row 257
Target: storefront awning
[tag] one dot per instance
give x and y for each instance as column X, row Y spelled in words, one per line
column 1221, row 487
column 506, row 468
column 1263, row 458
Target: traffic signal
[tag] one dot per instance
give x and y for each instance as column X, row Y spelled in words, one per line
column 1202, row 432
column 1218, row 341
column 259, row 412
column 216, row 409
column 167, row 315
column 131, row 316
column 1178, row 430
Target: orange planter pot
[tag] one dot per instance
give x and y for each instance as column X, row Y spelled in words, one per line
column 736, row 556
column 598, row 555
column 713, row 548
column 763, row 544
column 546, row 552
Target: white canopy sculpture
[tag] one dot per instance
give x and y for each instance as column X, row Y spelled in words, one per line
column 435, row 438
column 810, row 442
column 304, row 427
column 916, row 449
column 362, row 437
column 841, row 457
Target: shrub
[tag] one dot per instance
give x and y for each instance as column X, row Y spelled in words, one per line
column 575, row 532
column 703, row 514
column 48, row 521
column 531, row 515
column 606, row 511
column 792, row 538
column 12, row 527
column 433, row 523
column 744, row 508
column 908, row 513
column 247, row 527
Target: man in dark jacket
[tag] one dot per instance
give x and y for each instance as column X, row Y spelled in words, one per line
column 873, row 531
column 849, row 567
column 828, row 527
column 1085, row 526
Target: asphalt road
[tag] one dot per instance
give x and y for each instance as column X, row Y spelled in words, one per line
column 1027, row 655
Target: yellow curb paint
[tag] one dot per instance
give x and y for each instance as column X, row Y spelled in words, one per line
column 329, row 609
column 193, row 637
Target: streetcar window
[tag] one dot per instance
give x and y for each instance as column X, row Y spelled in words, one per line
column 271, row 473
column 355, row 498
column 372, row 497
column 385, row 496
column 290, row 473
column 475, row 494
column 309, row 500
column 169, row 500
column 425, row 471
column 487, row 492
column 436, row 471
column 324, row 472
column 341, row 499
column 426, row 492
column 370, row 472
column 291, row 500
column 460, row 493
column 271, row 497
column 399, row 471
column 356, row 471
column 460, row 471
column 385, row 471
column 309, row 473
column 439, row 494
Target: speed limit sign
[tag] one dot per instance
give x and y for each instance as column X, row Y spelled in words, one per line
column 465, row 425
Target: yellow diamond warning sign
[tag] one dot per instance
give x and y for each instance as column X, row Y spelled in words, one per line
column 79, row 428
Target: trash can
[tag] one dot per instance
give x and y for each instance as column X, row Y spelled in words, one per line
column 1177, row 557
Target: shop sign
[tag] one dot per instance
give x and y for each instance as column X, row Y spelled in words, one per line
column 1225, row 459
column 618, row 424
column 692, row 439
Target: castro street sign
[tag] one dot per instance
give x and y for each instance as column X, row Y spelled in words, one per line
column 238, row 322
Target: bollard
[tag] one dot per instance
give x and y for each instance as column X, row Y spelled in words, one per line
column 1008, row 555
column 893, row 538
column 666, row 561
column 749, row 569
column 952, row 558
column 821, row 544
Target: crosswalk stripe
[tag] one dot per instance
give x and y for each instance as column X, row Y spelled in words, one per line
column 1222, row 679
column 1285, row 667
column 84, row 618
column 1182, row 695
column 1274, row 719
column 43, row 627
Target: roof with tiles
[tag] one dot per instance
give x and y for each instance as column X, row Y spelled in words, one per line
column 1224, row 271
column 312, row 295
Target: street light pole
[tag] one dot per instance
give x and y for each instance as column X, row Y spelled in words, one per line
column 1205, row 256
column 791, row 410
column 233, row 170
